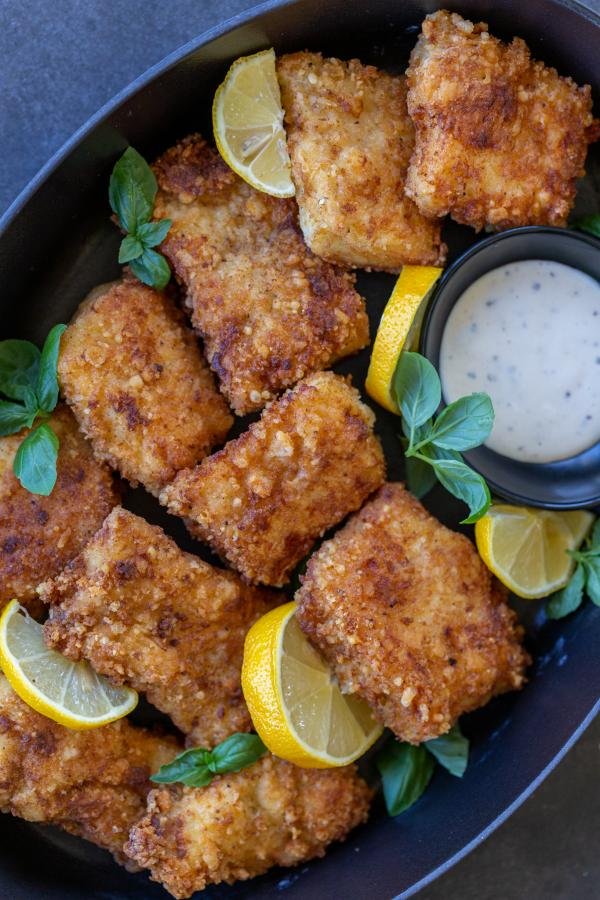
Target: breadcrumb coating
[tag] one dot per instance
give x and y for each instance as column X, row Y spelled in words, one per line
column 269, row 311
column 270, row 814
column 147, row 614
column 90, row 783
column 500, row 138
column 409, row 618
column 137, row 382
column 39, row 535
column 350, row 140
column 263, row 500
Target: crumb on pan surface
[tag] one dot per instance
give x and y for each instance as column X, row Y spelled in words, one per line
column 39, row 535
column 350, row 140
column 136, row 380
column 263, row 500
column 269, row 311
column 500, row 138
column 90, row 783
column 166, row 623
column 270, row 814
column 409, row 617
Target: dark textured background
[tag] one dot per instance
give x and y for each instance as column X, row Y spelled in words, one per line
column 59, row 62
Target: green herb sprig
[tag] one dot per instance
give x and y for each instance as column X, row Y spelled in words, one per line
column 591, row 224
column 432, row 446
column 585, row 579
column 198, row 767
column 406, row 770
column 28, row 379
column 131, row 195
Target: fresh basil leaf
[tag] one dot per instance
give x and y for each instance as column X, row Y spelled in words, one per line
column 417, row 388
column 152, row 269
column 47, row 384
column 153, row 233
column 595, row 535
column 420, row 477
column 465, row 484
column 35, row 461
column 19, row 367
column 405, row 773
column 14, row 417
column 464, row 424
column 189, row 767
column 235, row 753
column 590, row 224
column 451, row 750
column 132, row 190
column 130, row 249
column 569, row 599
column 592, row 581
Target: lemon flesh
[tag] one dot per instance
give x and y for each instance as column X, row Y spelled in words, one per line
column 527, row 549
column 296, row 706
column 67, row 692
column 399, row 329
column 248, row 124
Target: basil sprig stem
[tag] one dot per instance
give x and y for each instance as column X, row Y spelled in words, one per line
column 28, row 379
column 131, row 195
column 585, row 579
column 198, row 767
column 406, row 770
column 433, row 445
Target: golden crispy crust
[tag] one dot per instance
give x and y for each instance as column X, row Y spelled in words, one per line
column 138, row 385
column 91, row 783
column 270, row 814
column 350, row 140
column 263, row 500
column 500, row 139
column 163, row 621
column 39, row 535
column 268, row 310
column 409, row 618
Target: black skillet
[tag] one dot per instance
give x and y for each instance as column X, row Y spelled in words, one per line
column 56, row 243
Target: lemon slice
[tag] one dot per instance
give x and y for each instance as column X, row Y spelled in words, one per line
column 248, row 124
column 296, row 706
column 67, row 692
column 399, row 329
column 527, row 548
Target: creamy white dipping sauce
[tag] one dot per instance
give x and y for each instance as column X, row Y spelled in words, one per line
column 528, row 334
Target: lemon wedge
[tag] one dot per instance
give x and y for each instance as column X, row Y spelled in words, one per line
column 67, row 692
column 248, row 124
column 399, row 329
column 527, row 548
column 296, row 706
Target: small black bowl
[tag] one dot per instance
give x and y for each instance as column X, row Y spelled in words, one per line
column 566, row 484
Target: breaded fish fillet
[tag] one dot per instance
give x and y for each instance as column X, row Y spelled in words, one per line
column 269, row 311
column 263, row 500
column 91, row 783
column 409, row 618
column 350, row 140
column 137, row 382
column 500, row 138
column 270, row 814
column 39, row 535
column 162, row 621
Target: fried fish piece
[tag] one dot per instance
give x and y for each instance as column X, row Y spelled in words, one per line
column 39, row 535
column 500, row 138
column 409, row 618
column 146, row 614
column 350, row 140
column 137, row 382
column 270, row 814
column 90, row 783
column 263, row 500
column 269, row 311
